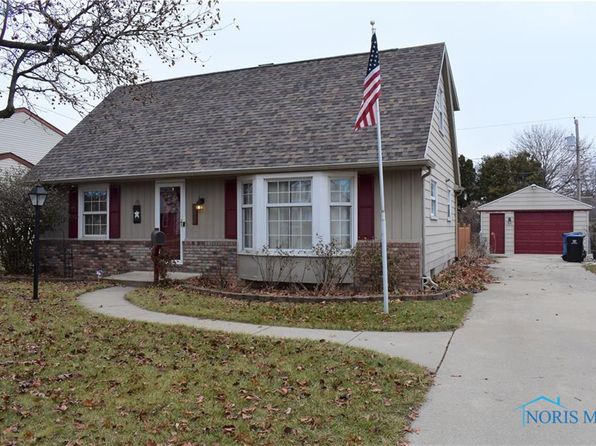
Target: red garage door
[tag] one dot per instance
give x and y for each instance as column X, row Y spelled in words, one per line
column 540, row 232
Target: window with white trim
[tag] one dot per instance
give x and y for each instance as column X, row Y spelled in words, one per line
column 433, row 199
column 341, row 212
column 247, row 215
column 289, row 214
column 442, row 109
column 95, row 212
column 449, row 200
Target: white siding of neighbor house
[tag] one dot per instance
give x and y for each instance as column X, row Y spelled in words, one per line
column 26, row 137
column 403, row 206
column 439, row 236
column 10, row 164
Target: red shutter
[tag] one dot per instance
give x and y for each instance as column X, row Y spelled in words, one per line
column 366, row 207
column 230, row 210
column 114, row 211
column 73, row 213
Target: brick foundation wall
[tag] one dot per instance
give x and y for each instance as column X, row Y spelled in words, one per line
column 403, row 261
column 112, row 256
column 214, row 259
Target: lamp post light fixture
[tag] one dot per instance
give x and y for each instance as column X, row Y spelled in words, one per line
column 38, row 197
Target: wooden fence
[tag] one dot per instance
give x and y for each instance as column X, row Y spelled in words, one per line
column 463, row 239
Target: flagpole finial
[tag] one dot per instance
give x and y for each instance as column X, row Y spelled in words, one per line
column 372, row 24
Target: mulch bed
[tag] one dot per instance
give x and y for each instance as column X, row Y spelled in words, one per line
column 297, row 298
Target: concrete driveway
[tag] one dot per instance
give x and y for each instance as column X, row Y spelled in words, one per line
column 533, row 334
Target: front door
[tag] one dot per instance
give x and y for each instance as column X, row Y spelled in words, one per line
column 170, row 217
column 497, row 233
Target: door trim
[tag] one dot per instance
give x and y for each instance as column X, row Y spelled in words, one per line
column 182, row 185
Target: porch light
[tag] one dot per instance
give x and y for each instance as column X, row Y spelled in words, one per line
column 200, row 204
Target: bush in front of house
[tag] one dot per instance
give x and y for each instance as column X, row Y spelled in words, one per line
column 17, row 221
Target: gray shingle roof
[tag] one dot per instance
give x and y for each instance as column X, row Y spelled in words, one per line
column 287, row 115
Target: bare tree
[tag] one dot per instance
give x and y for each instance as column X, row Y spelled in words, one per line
column 71, row 51
column 548, row 145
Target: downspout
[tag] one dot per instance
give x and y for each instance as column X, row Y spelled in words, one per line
column 423, row 241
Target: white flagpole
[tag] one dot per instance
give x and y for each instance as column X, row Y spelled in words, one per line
column 382, row 197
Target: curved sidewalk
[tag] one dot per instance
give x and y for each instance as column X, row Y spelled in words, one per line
column 426, row 349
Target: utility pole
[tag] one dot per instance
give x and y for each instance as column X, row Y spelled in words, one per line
column 578, row 177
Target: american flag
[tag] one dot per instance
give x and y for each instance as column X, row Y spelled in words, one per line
column 372, row 89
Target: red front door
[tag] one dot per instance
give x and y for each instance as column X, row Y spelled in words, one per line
column 540, row 232
column 497, row 233
column 170, row 219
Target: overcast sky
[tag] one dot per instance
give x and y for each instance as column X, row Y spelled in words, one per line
column 512, row 62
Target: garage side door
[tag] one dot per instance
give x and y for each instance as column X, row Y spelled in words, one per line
column 540, row 232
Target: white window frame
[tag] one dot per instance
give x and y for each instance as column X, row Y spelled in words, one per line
column 449, row 204
column 351, row 178
column 81, row 213
column 320, row 202
column 290, row 205
column 434, row 199
column 247, row 206
column 442, row 110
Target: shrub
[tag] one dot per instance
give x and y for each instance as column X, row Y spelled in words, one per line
column 17, row 220
column 330, row 265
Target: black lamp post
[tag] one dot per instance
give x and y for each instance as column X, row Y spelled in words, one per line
column 38, row 197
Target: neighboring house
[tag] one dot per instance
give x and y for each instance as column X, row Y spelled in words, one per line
column 531, row 221
column 25, row 138
column 270, row 156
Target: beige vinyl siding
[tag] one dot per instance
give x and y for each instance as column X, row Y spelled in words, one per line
column 439, row 237
column 211, row 220
column 581, row 223
column 130, row 193
column 403, row 206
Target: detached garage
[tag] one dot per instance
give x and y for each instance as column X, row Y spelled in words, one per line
column 531, row 221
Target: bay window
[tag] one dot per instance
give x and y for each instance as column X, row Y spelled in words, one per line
column 341, row 212
column 289, row 214
column 293, row 213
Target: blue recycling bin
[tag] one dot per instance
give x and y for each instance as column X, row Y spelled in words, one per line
column 575, row 240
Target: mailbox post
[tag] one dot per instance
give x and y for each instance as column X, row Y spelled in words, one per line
column 158, row 239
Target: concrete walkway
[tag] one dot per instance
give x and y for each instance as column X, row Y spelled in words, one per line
column 532, row 334
column 426, row 349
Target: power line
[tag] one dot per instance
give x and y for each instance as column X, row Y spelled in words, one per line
column 47, row 110
column 507, row 124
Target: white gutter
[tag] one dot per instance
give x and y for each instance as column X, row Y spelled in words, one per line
column 403, row 164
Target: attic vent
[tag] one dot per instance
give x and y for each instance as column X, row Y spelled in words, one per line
column 266, row 64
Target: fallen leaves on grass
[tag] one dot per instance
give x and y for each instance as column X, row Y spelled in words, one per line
column 70, row 377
